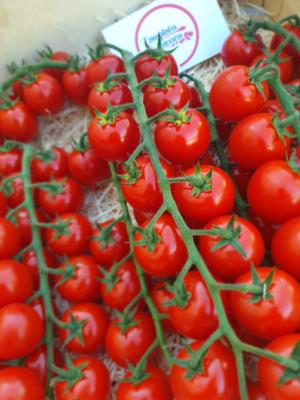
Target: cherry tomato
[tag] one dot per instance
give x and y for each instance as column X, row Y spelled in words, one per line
column 83, row 285
column 160, row 296
column 268, row 318
column 168, row 255
column 102, row 95
column 237, row 50
column 21, row 330
column 274, row 192
column 76, row 237
column 61, row 56
column 284, row 67
column 15, row 282
column 17, row 90
column 76, row 87
column 157, row 99
column 145, row 193
column 125, row 287
column 109, row 244
column 146, row 65
column 156, row 386
column 285, row 247
column 242, row 96
column 57, row 167
column 3, row 205
column 198, row 318
column 255, row 392
column 94, row 384
column 70, row 197
column 44, row 95
column 18, row 123
column 129, row 347
column 141, row 216
column 87, row 168
column 183, row 141
column 22, row 221
column 114, row 140
column 20, row 383
column 195, row 97
column 16, row 194
column 217, row 381
column 95, row 323
column 270, row 372
column 254, row 141
column 98, row 70
column 10, row 162
column 10, row 241
column 289, row 49
column 226, row 261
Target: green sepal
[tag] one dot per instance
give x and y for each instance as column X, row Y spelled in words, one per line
column 132, row 175
column 293, row 163
column 110, row 279
column 264, row 285
column 289, row 374
column 61, row 227
column 104, row 235
column 67, row 273
column 200, row 182
column 180, row 293
column 75, row 330
column 82, row 144
column 45, row 53
column 126, row 320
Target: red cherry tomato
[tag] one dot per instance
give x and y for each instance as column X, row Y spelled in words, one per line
column 227, row 262
column 76, row 237
column 284, row 67
column 76, row 87
column 57, row 167
column 94, row 384
column 3, row 205
column 160, row 296
column 270, row 372
column 109, row 246
column 274, row 192
column 18, row 123
column 20, row 383
column 22, row 221
column 146, row 65
column 61, row 56
column 156, row 99
column 242, row 96
column 10, row 162
column 236, row 50
column 83, row 285
column 156, row 386
column 16, row 194
column 21, row 326
column 141, row 216
column 129, row 347
column 168, row 256
column 95, row 323
column 98, row 70
column 10, row 241
column 114, row 140
column 289, row 49
column 145, row 193
column 184, row 141
column 219, row 366
column 195, row 97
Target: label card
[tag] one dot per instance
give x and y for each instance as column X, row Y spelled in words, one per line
column 196, row 27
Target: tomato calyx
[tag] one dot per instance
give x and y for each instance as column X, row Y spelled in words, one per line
column 150, row 239
column 60, row 227
column 292, row 162
column 104, row 236
column 96, row 53
column 81, row 144
column 6, row 102
column 66, row 273
column 46, row 52
column 157, row 53
column 110, row 278
column 126, row 320
column 198, row 181
column 71, row 374
column 75, row 330
column 181, row 295
column 248, row 37
column 52, row 187
column 45, row 155
column 74, row 64
column 109, row 118
column 264, row 285
column 7, row 185
column 133, row 173
column 280, row 124
column 178, row 117
column 106, row 85
column 290, row 374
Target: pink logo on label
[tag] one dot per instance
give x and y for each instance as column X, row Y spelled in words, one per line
column 171, row 35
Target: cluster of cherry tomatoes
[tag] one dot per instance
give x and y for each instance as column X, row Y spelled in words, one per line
column 91, row 266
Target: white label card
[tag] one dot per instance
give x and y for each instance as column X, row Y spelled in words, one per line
column 196, row 27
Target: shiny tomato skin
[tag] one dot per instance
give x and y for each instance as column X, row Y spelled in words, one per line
column 16, row 195
column 56, row 168
column 268, row 318
column 270, row 372
column 155, row 386
column 10, row 162
column 284, row 67
column 76, row 241
column 44, row 96
column 22, row 326
column 114, row 141
column 115, row 248
column 238, row 51
column 130, row 346
column 227, row 262
column 8, row 247
column 84, row 285
column 70, row 199
column 126, row 288
column 21, row 384
column 285, row 247
column 100, row 98
column 3, row 205
column 160, row 295
column 254, row 141
column 208, row 204
column 145, row 194
column 18, row 123
column 158, row 99
column 61, row 56
column 98, row 70
column 23, row 223
column 198, row 318
column 169, row 254
column 141, row 216
column 93, row 331
column 219, row 367
column 87, row 168
column 274, row 192
column 289, row 49
column 15, row 282
column 242, row 97
column 255, row 391
column 195, row 97
column 93, row 385
column 76, row 87
column 183, row 143
column 146, row 65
